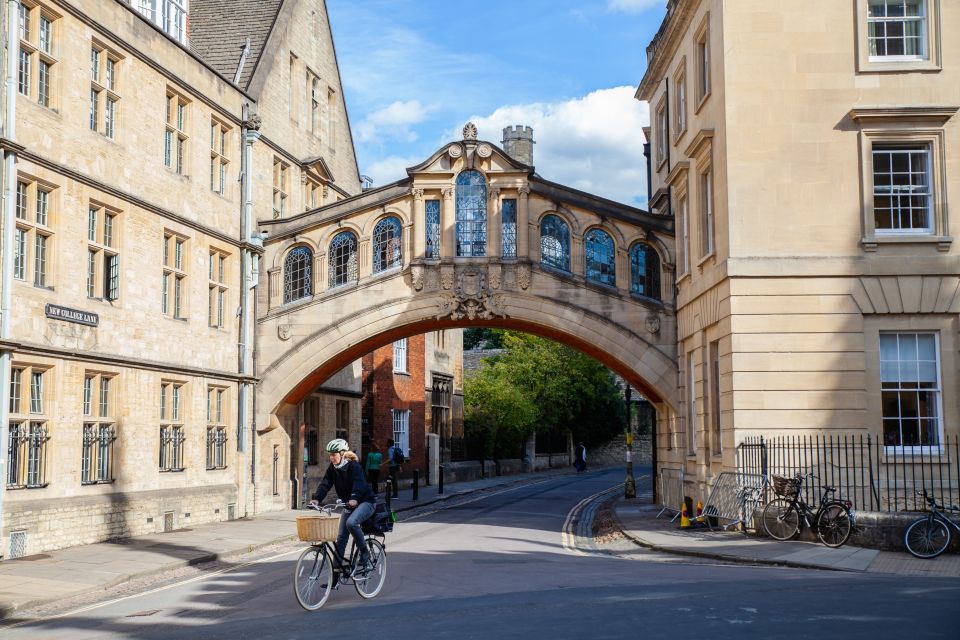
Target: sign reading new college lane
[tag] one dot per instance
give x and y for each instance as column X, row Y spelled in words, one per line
column 72, row 315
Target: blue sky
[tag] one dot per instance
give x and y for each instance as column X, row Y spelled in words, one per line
column 414, row 71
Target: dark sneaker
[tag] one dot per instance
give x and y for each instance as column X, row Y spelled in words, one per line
column 364, row 566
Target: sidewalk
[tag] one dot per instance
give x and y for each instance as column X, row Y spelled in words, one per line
column 35, row 580
column 638, row 522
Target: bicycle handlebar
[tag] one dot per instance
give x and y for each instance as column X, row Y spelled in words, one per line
column 328, row 508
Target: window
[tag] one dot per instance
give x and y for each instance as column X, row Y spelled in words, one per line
column 298, row 274
column 910, row 389
column 28, row 432
column 400, row 356
column 508, row 235
column 902, row 189
column 342, row 259
column 104, row 99
column 99, row 430
column 171, row 427
column 716, row 446
column 218, row 156
column 706, row 214
column 471, row 214
column 684, row 247
column 169, row 15
column 312, row 194
column 175, row 138
column 702, row 46
column 555, row 242
column 601, row 257
column 433, row 228
column 896, row 29
column 343, row 419
column 401, row 430
column 35, row 60
column 691, row 406
column 663, row 133
column 680, row 100
column 103, row 259
column 314, row 88
column 174, row 277
column 644, row 271
column 441, row 405
column 33, row 235
column 280, row 175
column 217, row 289
column 216, row 429
column 386, row 244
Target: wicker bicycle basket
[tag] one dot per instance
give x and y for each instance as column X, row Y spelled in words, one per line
column 786, row 487
column 318, row 528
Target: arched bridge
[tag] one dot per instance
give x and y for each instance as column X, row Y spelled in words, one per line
column 471, row 237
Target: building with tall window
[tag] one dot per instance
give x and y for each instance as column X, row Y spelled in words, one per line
column 141, row 141
column 808, row 154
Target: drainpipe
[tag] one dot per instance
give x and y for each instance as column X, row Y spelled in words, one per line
column 9, row 224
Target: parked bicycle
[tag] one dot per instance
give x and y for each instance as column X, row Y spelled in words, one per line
column 929, row 536
column 320, row 569
column 784, row 515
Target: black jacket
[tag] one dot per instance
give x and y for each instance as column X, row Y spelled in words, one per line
column 349, row 483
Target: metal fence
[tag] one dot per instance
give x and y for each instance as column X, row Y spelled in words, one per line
column 734, row 497
column 671, row 491
column 875, row 477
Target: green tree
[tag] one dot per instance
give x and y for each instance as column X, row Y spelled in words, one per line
column 482, row 338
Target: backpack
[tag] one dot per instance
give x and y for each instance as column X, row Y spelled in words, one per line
column 398, row 457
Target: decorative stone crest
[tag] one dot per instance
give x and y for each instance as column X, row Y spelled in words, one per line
column 455, row 151
column 523, row 276
column 653, row 324
column 446, row 277
column 283, row 331
column 493, row 273
column 416, row 273
column 484, row 150
column 254, row 122
column 469, row 131
column 472, row 298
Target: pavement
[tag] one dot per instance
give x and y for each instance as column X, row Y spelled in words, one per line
column 639, row 522
column 47, row 577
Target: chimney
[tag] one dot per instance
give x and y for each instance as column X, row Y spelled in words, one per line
column 518, row 143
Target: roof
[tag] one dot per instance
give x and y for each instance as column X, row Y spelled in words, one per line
column 219, row 30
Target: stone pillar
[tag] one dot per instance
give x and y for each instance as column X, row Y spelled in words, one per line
column 623, row 269
column 523, row 224
column 419, row 226
column 433, row 463
column 448, row 225
column 530, row 453
column 494, row 224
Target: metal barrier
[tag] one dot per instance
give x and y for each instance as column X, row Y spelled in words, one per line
column 671, row 491
column 734, row 497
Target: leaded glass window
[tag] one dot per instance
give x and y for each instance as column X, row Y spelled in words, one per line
column 601, row 257
column 298, row 274
column 508, row 238
column 342, row 259
column 555, row 242
column 386, row 245
column 433, row 228
column 644, row 271
column 471, row 214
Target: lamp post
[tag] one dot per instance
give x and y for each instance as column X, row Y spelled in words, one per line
column 629, row 485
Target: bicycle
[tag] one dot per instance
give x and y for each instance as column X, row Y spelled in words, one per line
column 929, row 536
column 832, row 521
column 321, row 569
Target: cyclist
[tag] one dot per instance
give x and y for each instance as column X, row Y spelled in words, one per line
column 346, row 476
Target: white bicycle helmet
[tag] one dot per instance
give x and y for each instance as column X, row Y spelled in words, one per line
column 337, row 445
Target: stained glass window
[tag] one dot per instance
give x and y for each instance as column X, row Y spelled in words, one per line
column 433, row 228
column 644, row 271
column 298, row 274
column 555, row 242
column 601, row 257
column 386, row 244
column 471, row 214
column 509, row 236
column 342, row 259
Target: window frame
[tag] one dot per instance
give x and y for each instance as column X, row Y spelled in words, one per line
column 651, row 279
column 172, row 437
column 931, row 61
column 220, row 134
column 175, row 155
column 470, row 214
column 216, row 434
column 595, row 240
column 401, row 430
column 34, row 220
column 663, row 132
column 28, row 421
column 281, row 188
column 103, row 261
column 707, row 214
column 176, row 275
column 387, row 244
column 704, row 63
column 31, row 49
column 400, row 356
column 301, row 282
column 939, row 391
column 105, row 65
column 680, row 100
column 217, row 288
column 99, row 428
column 565, row 253
column 343, row 265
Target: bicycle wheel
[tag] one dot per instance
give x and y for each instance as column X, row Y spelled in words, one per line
column 313, row 578
column 926, row 537
column 781, row 519
column 834, row 524
column 369, row 584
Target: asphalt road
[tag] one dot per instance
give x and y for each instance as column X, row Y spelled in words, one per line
column 499, row 566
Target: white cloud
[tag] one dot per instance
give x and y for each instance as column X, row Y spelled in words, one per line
column 393, row 121
column 635, row 6
column 390, row 169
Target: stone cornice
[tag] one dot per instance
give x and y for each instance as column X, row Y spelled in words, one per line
column 679, row 170
column 936, row 114
column 664, row 45
column 696, row 145
column 9, row 145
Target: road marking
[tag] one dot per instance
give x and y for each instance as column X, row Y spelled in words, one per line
column 483, row 497
column 567, row 535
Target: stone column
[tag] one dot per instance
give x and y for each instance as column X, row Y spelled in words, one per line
column 448, row 225
column 419, row 226
column 523, row 228
column 623, row 269
column 494, row 224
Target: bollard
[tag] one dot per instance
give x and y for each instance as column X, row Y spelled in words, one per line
column 440, row 482
column 416, row 484
column 386, row 494
column 426, row 482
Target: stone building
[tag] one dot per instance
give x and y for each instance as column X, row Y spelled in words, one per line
column 141, row 139
column 807, row 153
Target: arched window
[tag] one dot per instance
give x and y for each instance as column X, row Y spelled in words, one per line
column 342, row 259
column 298, row 274
column 601, row 257
column 471, row 214
column 644, row 271
column 386, row 244
column 432, row 211
column 555, row 242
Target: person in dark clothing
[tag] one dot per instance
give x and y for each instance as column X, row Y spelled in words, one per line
column 580, row 457
column 374, row 462
column 346, row 476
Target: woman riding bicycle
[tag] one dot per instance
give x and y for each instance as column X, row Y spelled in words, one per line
column 346, row 475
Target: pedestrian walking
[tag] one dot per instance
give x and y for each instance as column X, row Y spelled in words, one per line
column 395, row 460
column 580, row 457
column 373, row 463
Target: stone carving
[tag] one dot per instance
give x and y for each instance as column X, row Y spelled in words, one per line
column 283, row 331
column 416, row 272
column 446, row 277
column 469, row 131
column 455, row 151
column 68, row 335
column 484, row 150
column 448, row 193
column 653, row 324
column 493, row 273
column 432, row 281
column 417, row 193
column 523, row 276
column 472, row 298
column 254, row 122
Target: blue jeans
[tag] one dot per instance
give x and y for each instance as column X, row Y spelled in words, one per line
column 350, row 522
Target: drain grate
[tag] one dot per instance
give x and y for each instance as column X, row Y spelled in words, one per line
column 18, row 544
column 168, row 521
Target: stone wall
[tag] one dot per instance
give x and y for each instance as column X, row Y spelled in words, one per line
column 615, row 452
